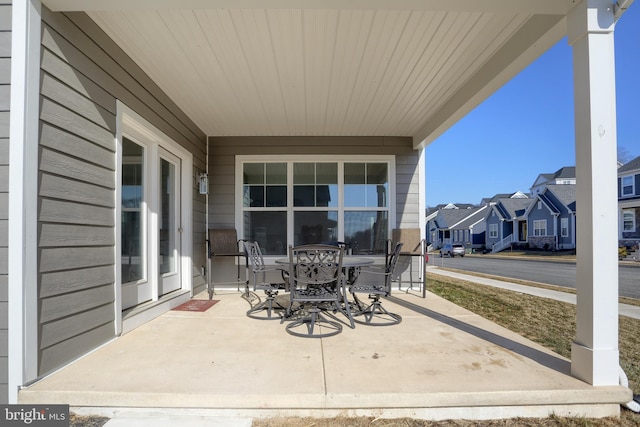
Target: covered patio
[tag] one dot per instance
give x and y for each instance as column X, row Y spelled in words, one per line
column 217, row 100
column 440, row 362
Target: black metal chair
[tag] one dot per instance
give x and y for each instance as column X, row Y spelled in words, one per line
column 316, row 284
column 376, row 282
column 223, row 242
column 259, row 280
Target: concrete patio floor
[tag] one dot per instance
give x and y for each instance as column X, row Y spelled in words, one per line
column 440, row 362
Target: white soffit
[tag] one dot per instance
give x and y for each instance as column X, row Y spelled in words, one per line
column 352, row 68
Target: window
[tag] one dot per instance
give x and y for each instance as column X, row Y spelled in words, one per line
column 493, row 231
column 628, row 185
column 564, row 227
column 540, row 227
column 297, row 201
column 539, row 205
column 629, row 219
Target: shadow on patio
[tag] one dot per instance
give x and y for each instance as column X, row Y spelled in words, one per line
column 440, row 362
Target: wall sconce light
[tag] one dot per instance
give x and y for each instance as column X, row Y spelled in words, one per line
column 203, row 183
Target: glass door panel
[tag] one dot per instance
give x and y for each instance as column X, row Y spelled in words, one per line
column 136, row 288
column 169, row 223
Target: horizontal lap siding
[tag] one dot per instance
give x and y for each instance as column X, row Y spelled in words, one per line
column 408, row 176
column 222, row 152
column 83, row 74
column 5, row 88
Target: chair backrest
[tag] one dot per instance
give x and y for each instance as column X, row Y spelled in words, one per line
column 256, row 261
column 223, row 242
column 393, row 258
column 315, row 264
column 254, row 254
column 413, row 242
column 392, row 264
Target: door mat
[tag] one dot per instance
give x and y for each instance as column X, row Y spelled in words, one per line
column 196, row 305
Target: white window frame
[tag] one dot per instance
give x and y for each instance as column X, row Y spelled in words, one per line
column 630, row 185
column 290, row 209
column 632, row 222
column 493, row 231
column 564, row 227
column 539, row 225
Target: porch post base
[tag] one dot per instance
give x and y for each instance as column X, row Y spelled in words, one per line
column 596, row 367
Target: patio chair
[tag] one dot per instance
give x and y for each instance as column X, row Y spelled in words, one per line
column 414, row 248
column 315, row 282
column 223, row 242
column 376, row 282
column 259, row 280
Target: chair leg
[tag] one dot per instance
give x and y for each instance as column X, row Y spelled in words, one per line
column 266, row 305
column 376, row 311
column 306, row 326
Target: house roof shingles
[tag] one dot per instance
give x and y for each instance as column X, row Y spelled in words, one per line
column 448, row 218
column 514, row 208
column 565, row 193
column 630, row 166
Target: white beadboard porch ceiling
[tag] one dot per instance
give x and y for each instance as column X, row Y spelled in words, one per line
column 341, row 68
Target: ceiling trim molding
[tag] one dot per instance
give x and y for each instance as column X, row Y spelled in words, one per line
column 552, row 7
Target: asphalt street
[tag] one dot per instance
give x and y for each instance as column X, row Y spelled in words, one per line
column 547, row 272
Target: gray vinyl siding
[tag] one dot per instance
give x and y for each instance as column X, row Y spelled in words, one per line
column 408, row 176
column 222, row 152
column 83, row 74
column 5, row 88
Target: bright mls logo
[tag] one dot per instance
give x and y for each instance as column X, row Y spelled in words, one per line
column 35, row 415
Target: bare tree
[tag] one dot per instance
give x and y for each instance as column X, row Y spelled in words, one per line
column 624, row 156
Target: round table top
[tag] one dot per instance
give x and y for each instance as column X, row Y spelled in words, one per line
column 347, row 261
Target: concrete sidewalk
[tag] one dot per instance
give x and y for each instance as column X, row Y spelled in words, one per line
column 624, row 309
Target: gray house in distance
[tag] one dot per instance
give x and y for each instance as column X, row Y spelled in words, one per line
column 563, row 176
column 464, row 226
column 507, row 223
column 629, row 203
column 552, row 218
column 115, row 115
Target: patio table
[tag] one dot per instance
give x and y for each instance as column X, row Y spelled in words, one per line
column 350, row 265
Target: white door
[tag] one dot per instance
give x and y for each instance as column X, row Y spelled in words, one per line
column 150, row 223
column 169, row 224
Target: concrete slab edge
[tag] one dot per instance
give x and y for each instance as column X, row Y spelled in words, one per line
column 469, row 413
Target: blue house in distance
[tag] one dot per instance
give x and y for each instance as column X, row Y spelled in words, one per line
column 552, row 218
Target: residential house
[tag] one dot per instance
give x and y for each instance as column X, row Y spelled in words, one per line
column 464, row 226
column 552, row 218
column 431, row 237
column 117, row 118
column 563, row 176
column 629, row 203
column 506, row 223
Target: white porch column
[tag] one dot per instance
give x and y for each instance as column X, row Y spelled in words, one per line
column 23, row 191
column 594, row 354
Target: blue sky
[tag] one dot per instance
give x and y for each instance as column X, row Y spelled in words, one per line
column 526, row 128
